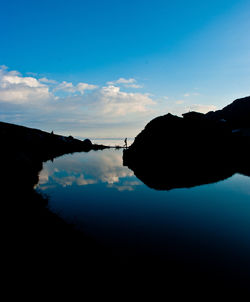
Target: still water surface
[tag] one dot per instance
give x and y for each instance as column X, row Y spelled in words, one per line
column 100, row 196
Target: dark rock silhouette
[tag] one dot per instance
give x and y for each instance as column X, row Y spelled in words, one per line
column 237, row 114
column 34, row 239
column 23, row 150
column 88, row 143
column 174, row 152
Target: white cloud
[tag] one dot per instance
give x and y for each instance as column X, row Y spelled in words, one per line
column 48, row 81
column 3, row 67
column 136, row 86
column 122, row 81
column 9, row 79
column 108, row 101
column 202, row 108
column 107, row 110
column 179, row 102
column 81, row 87
column 65, row 86
column 16, row 89
column 180, row 106
column 70, row 88
column 188, row 94
column 114, row 102
column 127, row 83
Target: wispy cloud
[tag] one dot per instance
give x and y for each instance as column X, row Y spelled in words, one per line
column 179, row 102
column 201, row 108
column 188, row 94
column 48, row 81
column 122, row 81
column 70, row 88
column 128, row 83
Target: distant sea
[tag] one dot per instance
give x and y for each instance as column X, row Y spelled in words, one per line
column 109, row 141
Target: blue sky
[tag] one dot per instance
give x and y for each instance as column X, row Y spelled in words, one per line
column 105, row 68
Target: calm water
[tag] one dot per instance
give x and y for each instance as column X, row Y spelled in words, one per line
column 105, row 200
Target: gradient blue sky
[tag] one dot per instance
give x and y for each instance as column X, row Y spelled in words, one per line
column 105, row 68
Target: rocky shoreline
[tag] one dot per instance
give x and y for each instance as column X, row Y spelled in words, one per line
column 24, row 149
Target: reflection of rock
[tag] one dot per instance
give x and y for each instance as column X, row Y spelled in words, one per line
column 176, row 152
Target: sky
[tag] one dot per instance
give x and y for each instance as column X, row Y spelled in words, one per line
column 104, row 69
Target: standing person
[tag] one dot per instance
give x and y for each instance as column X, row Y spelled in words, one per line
column 126, row 144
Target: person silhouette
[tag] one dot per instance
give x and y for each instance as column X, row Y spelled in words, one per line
column 126, row 144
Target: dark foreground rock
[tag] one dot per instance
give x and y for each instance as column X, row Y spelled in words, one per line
column 36, row 242
column 173, row 152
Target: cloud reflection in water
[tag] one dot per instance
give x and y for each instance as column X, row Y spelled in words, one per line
column 83, row 169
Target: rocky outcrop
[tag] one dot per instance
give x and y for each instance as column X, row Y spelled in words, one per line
column 174, row 152
column 237, row 114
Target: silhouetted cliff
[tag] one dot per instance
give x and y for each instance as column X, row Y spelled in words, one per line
column 237, row 114
column 176, row 152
